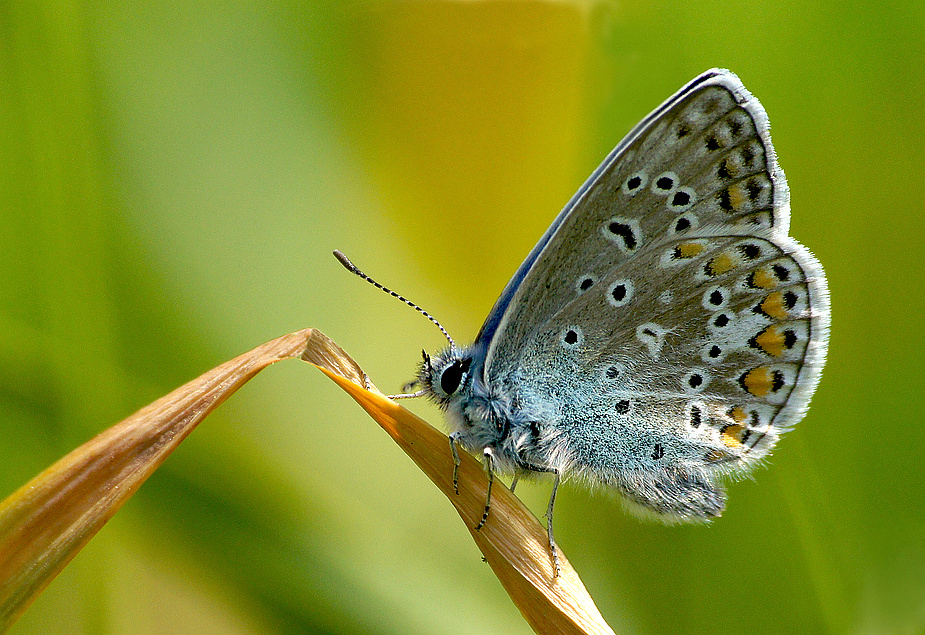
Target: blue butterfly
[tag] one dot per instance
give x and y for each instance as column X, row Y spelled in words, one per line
column 664, row 331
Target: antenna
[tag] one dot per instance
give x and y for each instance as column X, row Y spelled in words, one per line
column 352, row 268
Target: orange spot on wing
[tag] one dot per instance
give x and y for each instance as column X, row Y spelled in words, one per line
column 763, row 279
column 771, row 341
column 758, row 381
column 773, row 306
column 738, row 414
column 731, row 436
column 737, row 196
column 722, row 263
column 688, row 250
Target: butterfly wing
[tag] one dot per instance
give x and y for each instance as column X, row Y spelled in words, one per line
column 666, row 312
column 604, row 172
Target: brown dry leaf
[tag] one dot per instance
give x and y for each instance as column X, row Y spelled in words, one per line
column 46, row 522
column 513, row 541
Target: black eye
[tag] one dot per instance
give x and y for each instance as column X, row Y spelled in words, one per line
column 452, row 375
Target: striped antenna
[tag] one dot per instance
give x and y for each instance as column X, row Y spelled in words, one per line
column 352, row 268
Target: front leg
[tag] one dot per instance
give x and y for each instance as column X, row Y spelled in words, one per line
column 454, row 443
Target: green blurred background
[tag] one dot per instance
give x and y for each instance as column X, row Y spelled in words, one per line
column 174, row 176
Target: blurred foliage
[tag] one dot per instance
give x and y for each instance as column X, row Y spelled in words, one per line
column 176, row 174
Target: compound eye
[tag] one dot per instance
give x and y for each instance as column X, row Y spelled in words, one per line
column 452, row 376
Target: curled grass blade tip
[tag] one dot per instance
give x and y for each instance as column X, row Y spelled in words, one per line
column 513, row 541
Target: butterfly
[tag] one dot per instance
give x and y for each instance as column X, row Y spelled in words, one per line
column 664, row 331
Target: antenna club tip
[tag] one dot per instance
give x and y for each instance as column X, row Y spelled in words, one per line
column 344, row 260
column 354, row 269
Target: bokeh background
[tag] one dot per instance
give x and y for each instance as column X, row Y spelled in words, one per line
column 174, row 176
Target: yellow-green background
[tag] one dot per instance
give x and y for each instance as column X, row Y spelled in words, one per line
column 174, row 175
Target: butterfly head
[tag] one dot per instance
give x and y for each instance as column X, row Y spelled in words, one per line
column 445, row 375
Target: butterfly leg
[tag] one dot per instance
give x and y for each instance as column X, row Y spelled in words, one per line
column 490, row 468
column 553, row 549
column 454, row 440
column 514, row 482
column 552, row 541
column 406, row 395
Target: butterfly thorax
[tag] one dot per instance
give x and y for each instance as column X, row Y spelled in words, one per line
column 490, row 415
